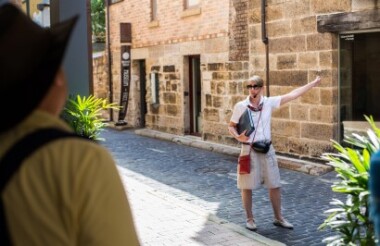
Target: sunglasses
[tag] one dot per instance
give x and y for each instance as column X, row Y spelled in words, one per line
column 255, row 87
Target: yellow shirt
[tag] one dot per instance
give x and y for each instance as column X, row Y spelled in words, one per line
column 66, row 193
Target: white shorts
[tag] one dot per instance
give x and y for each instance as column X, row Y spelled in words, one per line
column 264, row 170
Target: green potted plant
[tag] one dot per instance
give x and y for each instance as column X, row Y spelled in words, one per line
column 84, row 115
column 350, row 218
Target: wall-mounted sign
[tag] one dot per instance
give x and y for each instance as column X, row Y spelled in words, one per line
column 347, row 37
column 125, row 83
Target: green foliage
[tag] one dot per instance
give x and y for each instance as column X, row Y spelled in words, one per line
column 83, row 114
column 350, row 219
column 98, row 20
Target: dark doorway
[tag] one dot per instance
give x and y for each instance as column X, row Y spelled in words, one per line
column 143, row 107
column 359, row 76
column 195, row 116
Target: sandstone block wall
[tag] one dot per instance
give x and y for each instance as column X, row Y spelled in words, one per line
column 227, row 37
column 100, row 76
column 297, row 54
column 171, row 114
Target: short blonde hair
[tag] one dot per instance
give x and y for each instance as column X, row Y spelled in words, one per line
column 257, row 79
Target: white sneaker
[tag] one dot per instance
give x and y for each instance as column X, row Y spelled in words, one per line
column 250, row 225
column 283, row 223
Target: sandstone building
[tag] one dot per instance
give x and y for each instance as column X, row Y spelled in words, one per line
column 191, row 60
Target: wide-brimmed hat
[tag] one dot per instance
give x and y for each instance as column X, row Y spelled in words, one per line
column 30, row 57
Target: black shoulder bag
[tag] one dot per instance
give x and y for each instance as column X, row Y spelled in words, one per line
column 13, row 159
column 261, row 146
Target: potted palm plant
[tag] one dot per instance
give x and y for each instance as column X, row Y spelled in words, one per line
column 84, row 115
column 350, row 218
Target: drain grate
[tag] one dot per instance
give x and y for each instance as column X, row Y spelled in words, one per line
column 218, row 170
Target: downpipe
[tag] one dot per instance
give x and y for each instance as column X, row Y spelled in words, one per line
column 110, row 82
column 265, row 40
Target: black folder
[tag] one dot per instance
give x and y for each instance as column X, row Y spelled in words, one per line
column 246, row 123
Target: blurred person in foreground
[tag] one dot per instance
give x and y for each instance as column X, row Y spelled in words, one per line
column 264, row 167
column 68, row 192
column 374, row 187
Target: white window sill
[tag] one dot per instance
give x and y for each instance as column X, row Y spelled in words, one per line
column 152, row 24
column 191, row 12
column 360, row 127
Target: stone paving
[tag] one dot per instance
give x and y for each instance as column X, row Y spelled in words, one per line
column 207, row 180
column 161, row 219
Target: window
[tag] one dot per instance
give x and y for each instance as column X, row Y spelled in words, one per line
column 154, row 86
column 191, row 3
column 153, row 9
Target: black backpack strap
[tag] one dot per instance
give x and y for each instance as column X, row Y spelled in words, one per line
column 13, row 159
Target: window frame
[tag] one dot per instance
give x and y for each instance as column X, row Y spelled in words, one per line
column 155, row 88
column 153, row 10
column 186, row 4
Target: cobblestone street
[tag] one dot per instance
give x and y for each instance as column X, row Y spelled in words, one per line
column 207, row 180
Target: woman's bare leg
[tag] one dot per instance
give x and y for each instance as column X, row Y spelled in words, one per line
column 275, row 198
column 246, row 196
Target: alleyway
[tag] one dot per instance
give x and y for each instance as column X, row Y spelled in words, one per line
column 207, row 180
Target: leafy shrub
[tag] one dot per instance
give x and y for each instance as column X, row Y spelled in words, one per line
column 98, row 20
column 83, row 114
column 350, row 219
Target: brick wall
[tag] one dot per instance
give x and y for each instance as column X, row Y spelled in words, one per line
column 163, row 45
column 173, row 25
